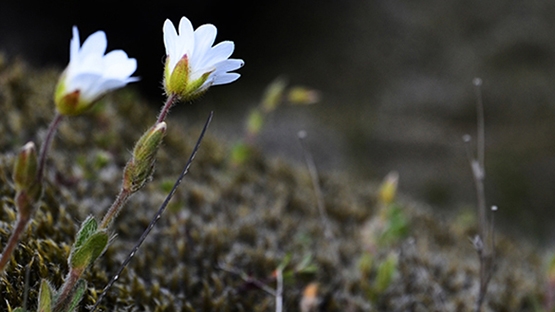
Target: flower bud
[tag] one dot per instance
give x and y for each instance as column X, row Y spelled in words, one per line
column 28, row 188
column 273, row 95
column 303, row 96
column 25, row 169
column 388, row 189
column 139, row 168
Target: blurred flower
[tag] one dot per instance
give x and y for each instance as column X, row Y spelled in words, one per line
column 192, row 64
column 91, row 74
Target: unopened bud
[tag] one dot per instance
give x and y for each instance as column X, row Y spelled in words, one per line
column 25, row 169
column 303, row 96
column 273, row 95
column 255, row 122
column 28, row 188
column 139, row 168
column 388, row 189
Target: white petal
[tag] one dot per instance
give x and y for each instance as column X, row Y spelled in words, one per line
column 74, row 44
column 225, row 78
column 118, row 65
column 170, row 37
column 186, row 38
column 104, row 86
column 229, row 65
column 218, row 53
column 94, row 45
column 204, row 39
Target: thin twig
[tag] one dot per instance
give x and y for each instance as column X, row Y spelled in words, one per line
column 317, row 191
column 247, row 279
column 156, row 216
column 46, row 145
column 279, row 290
column 482, row 242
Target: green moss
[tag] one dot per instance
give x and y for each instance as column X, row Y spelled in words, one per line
column 245, row 217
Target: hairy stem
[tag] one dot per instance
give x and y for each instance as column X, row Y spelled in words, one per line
column 46, row 145
column 172, row 99
column 67, row 289
column 122, row 198
column 13, row 241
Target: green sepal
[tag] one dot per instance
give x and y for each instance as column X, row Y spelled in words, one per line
column 89, row 250
column 45, row 297
column 17, row 310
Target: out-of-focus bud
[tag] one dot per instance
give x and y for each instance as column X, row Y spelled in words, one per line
column 310, row 301
column 255, row 122
column 388, row 189
column 303, row 96
column 273, row 95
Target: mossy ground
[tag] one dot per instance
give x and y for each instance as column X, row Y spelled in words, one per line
column 246, row 217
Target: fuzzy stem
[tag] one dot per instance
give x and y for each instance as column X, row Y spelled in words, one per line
column 67, row 288
column 172, row 99
column 122, row 198
column 13, row 241
column 46, row 145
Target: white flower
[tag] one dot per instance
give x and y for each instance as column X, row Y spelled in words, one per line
column 91, row 74
column 192, row 63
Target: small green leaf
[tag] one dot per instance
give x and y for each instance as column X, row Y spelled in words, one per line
column 386, row 271
column 45, row 297
column 88, row 228
column 284, row 262
column 86, row 254
column 240, row 153
column 78, row 294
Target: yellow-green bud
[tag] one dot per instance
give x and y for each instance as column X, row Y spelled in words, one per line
column 28, row 188
column 303, row 96
column 388, row 189
column 273, row 94
column 25, row 169
column 255, row 122
column 139, row 168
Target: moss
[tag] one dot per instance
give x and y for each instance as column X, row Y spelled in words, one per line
column 247, row 218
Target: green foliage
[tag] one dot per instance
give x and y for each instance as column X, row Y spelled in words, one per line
column 45, row 297
column 78, row 294
column 91, row 248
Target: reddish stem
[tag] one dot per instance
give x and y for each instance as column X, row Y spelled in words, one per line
column 172, row 99
column 13, row 241
column 115, row 208
column 46, row 145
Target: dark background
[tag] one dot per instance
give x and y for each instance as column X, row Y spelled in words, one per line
column 395, row 78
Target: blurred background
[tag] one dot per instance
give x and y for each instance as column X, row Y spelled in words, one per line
column 395, row 78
